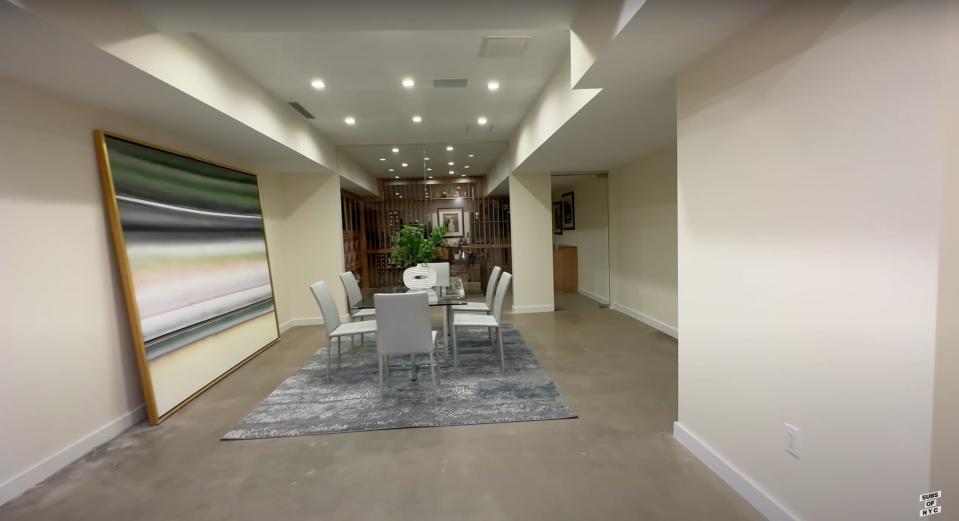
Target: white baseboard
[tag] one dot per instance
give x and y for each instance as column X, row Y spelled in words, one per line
column 27, row 479
column 646, row 319
column 534, row 309
column 735, row 478
column 592, row 296
column 306, row 321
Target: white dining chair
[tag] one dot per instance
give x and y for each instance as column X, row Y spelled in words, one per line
column 492, row 321
column 403, row 328
column 334, row 327
column 442, row 270
column 487, row 305
column 353, row 297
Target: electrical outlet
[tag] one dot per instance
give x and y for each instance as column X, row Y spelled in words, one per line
column 792, row 440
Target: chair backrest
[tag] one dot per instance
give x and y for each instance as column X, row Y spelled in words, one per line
column 402, row 323
column 324, row 297
column 491, row 286
column 442, row 270
column 352, row 288
column 501, row 290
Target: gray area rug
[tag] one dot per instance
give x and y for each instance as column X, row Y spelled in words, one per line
column 306, row 403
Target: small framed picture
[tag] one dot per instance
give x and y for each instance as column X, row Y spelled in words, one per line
column 452, row 218
column 569, row 211
column 557, row 218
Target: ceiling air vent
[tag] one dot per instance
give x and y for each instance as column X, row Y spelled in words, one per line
column 503, row 46
column 299, row 108
column 449, row 84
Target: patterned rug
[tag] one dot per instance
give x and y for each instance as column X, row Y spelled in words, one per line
column 307, row 404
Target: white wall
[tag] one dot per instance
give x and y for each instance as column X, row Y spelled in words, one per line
column 531, row 230
column 945, row 427
column 67, row 359
column 306, row 242
column 591, row 236
column 811, row 148
column 643, row 256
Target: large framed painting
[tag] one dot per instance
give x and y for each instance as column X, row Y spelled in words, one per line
column 557, row 218
column 452, row 218
column 569, row 211
column 191, row 250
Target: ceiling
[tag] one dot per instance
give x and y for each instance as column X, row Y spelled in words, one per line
column 302, row 15
column 368, row 157
column 363, row 80
column 635, row 114
column 74, row 69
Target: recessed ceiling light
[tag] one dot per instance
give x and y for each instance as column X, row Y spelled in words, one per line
column 349, row 120
column 450, row 163
column 396, row 177
column 382, row 159
column 430, row 177
column 492, row 85
column 396, row 150
column 452, row 172
column 471, row 155
column 429, row 169
column 467, row 166
column 404, row 165
column 318, row 84
column 408, row 82
column 426, row 158
column 417, row 119
column 462, row 175
column 391, row 170
column 449, row 148
column 481, row 120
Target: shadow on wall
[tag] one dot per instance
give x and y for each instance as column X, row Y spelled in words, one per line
column 741, row 60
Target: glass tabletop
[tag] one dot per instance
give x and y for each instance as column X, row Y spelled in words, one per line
column 452, row 295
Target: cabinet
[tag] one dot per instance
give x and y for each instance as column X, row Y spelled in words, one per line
column 565, row 269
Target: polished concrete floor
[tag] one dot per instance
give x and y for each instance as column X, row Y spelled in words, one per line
column 616, row 461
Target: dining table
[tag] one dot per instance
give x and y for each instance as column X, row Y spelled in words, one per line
column 445, row 297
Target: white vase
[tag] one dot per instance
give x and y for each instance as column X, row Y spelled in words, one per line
column 419, row 277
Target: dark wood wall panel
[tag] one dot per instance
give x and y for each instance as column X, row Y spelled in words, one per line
column 369, row 225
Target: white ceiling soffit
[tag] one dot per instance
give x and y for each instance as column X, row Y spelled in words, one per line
column 635, row 113
column 360, row 15
column 185, row 63
column 77, row 70
column 363, row 70
column 368, row 157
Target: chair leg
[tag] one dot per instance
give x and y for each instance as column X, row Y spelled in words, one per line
column 502, row 359
column 433, row 376
column 329, row 357
column 381, row 377
column 446, row 325
column 489, row 332
column 339, row 354
column 456, row 360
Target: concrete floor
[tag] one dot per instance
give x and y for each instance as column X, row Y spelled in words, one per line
column 617, row 461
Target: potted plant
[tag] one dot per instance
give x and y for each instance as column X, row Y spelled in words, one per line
column 414, row 248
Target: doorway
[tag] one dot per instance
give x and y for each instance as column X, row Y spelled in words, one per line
column 580, row 238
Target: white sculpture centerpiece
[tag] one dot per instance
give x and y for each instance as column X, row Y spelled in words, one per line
column 414, row 248
column 420, row 276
